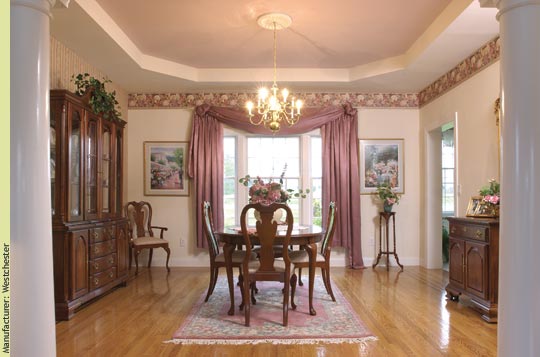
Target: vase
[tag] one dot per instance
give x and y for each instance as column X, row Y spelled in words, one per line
column 277, row 215
column 387, row 207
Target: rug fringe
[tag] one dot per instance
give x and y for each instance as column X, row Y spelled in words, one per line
column 281, row 341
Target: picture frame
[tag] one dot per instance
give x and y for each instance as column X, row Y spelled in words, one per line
column 165, row 169
column 381, row 160
column 480, row 209
column 473, row 206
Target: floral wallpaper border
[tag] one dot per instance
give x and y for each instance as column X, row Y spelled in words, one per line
column 482, row 58
column 473, row 64
column 190, row 100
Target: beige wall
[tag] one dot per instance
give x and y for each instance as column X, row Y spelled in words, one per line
column 393, row 124
column 173, row 212
column 472, row 103
column 177, row 212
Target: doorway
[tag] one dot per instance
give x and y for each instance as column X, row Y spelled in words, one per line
column 442, row 189
column 447, row 185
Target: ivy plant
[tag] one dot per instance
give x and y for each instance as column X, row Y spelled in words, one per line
column 101, row 101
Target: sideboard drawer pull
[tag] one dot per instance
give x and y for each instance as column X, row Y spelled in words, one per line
column 96, row 281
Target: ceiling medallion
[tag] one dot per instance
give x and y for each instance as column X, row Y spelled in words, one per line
column 273, row 110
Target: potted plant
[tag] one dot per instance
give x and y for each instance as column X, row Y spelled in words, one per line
column 387, row 195
column 101, row 101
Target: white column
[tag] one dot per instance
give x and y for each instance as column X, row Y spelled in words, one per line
column 32, row 285
column 519, row 265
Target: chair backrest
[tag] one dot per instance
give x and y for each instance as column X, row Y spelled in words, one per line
column 208, row 223
column 266, row 230
column 326, row 244
column 139, row 216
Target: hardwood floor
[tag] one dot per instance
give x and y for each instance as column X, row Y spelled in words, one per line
column 407, row 311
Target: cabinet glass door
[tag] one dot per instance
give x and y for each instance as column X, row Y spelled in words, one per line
column 91, row 196
column 75, row 167
column 119, row 153
column 106, row 170
column 52, row 160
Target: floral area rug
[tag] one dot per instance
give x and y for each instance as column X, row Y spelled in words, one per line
column 335, row 322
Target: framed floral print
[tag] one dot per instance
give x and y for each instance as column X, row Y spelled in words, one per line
column 165, row 172
column 381, row 160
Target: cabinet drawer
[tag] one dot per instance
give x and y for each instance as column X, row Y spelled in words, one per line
column 100, row 279
column 104, row 248
column 479, row 233
column 96, row 235
column 103, row 263
column 102, row 234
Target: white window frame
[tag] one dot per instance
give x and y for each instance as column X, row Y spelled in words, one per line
column 306, row 205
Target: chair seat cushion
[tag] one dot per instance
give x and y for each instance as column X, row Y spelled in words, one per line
column 254, row 265
column 278, row 250
column 301, row 256
column 142, row 241
column 237, row 257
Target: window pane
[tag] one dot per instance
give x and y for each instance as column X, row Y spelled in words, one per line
column 316, row 155
column 229, row 180
column 316, row 180
column 267, row 158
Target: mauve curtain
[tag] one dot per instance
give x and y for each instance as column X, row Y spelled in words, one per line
column 205, row 167
column 341, row 181
column 339, row 133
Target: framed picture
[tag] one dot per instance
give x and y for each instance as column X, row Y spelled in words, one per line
column 474, row 205
column 165, row 172
column 381, row 160
column 478, row 208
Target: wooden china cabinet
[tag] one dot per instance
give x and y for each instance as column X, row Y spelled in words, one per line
column 90, row 243
column 474, row 263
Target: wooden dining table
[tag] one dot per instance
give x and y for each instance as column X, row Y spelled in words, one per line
column 304, row 236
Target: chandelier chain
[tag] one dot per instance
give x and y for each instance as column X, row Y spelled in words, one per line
column 275, row 54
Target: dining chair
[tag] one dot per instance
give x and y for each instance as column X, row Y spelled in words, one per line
column 217, row 259
column 141, row 233
column 267, row 267
column 300, row 258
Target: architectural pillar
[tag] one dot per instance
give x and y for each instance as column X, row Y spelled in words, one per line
column 519, row 244
column 32, row 285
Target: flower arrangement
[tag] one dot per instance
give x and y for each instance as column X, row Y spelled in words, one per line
column 491, row 192
column 387, row 195
column 270, row 192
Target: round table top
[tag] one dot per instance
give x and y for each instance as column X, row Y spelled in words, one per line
column 300, row 234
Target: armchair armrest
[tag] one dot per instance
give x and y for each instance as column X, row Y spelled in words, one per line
column 162, row 230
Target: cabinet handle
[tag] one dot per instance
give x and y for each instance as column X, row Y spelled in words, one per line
column 464, row 229
column 111, row 274
column 96, row 235
column 111, row 261
column 96, row 266
column 96, row 281
column 96, row 250
column 479, row 233
column 453, row 230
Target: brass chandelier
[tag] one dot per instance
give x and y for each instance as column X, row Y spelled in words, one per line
column 271, row 108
